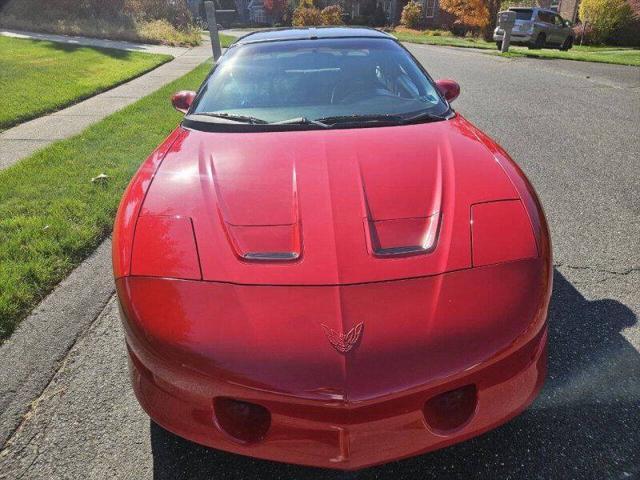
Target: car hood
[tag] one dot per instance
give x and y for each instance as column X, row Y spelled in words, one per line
column 329, row 207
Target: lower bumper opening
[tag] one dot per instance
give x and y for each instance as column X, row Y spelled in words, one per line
column 451, row 410
column 245, row 422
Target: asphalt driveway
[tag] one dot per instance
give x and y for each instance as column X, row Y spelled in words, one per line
column 574, row 128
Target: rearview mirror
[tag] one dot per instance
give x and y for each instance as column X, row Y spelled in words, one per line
column 182, row 100
column 449, row 89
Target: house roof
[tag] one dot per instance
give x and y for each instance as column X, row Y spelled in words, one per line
column 310, row 33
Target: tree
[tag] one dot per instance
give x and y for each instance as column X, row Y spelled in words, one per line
column 605, row 16
column 475, row 14
column 332, row 15
column 306, row 15
column 494, row 6
column 472, row 13
column 412, row 15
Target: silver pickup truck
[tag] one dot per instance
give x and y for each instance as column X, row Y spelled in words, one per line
column 538, row 28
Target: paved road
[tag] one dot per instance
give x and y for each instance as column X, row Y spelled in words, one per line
column 574, row 129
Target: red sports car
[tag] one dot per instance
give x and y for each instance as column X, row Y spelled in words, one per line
column 324, row 264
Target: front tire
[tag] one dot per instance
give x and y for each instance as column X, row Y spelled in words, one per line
column 499, row 45
column 540, row 42
column 568, row 43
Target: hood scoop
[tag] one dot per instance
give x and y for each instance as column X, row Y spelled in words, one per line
column 260, row 213
column 409, row 224
column 264, row 243
column 402, row 236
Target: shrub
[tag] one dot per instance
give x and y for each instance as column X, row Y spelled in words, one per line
column 306, row 17
column 583, row 33
column 507, row 4
column 459, row 29
column 332, row 15
column 156, row 21
column 175, row 12
column 605, row 17
column 170, row 35
column 628, row 35
column 99, row 8
column 412, row 15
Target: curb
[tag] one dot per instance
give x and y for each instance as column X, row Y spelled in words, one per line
column 31, row 356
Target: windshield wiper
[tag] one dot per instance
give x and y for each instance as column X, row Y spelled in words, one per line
column 233, row 117
column 423, row 117
column 347, row 119
column 301, row 121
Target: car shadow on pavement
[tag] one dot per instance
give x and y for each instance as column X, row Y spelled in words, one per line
column 585, row 423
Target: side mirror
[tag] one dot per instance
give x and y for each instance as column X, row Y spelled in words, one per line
column 182, row 100
column 449, row 89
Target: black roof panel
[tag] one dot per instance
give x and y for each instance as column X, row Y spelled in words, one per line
column 308, row 33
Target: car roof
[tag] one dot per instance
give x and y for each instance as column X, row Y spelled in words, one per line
column 310, row 33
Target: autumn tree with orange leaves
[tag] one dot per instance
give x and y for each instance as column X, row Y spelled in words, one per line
column 474, row 14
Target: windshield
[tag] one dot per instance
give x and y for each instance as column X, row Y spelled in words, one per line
column 310, row 81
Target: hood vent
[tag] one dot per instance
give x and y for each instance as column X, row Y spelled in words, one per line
column 402, row 236
column 265, row 243
column 263, row 223
column 402, row 206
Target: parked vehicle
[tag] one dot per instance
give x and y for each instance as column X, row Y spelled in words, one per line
column 325, row 264
column 538, row 28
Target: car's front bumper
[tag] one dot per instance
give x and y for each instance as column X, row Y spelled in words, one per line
column 342, row 435
column 192, row 343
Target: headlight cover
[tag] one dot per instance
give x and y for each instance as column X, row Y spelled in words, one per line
column 501, row 232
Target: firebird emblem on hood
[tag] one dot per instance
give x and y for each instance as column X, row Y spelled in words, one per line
column 343, row 342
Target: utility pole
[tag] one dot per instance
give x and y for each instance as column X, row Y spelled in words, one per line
column 210, row 8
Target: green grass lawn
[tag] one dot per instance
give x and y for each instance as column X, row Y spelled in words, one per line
column 226, row 40
column 37, row 77
column 52, row 216
column 600, row 54
column 441, row 37
column 615, row 55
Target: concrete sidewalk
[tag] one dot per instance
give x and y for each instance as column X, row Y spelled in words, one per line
column 24, row 139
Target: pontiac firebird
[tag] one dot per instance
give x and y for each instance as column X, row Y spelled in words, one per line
column 325, row 264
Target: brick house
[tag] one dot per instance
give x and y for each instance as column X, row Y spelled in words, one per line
column 568, row 9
